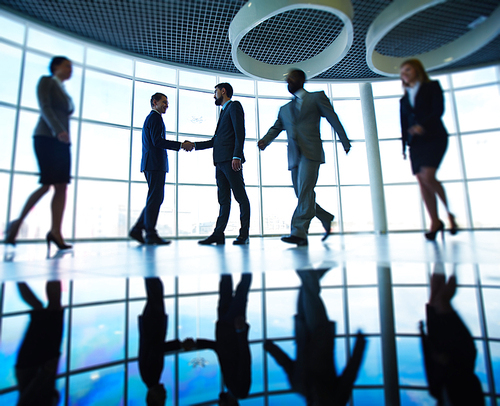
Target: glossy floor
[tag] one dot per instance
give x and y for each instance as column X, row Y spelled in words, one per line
column 375, row 282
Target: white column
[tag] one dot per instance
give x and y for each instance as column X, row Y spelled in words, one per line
column 373, row 155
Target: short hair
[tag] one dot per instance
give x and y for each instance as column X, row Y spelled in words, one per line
column 157, row 97
column 419, row 68
column 55, row 62
column 227, row 87
column 299, row 72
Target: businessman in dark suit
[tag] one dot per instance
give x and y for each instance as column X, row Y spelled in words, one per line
column 227, row 144
column 300, row 119
column 154, row 164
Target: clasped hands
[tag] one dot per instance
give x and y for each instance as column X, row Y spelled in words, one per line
column 187, row 146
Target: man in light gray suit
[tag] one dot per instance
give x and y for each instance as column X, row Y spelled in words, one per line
column 300, row 118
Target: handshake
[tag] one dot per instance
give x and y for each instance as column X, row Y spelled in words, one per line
column 187, row 145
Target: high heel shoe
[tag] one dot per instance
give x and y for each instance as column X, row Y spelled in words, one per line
column 454, row 225
column 60, row 244
column 431, row 235
column 11, row 232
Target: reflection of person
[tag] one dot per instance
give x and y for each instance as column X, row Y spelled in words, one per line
column 154, row 164
column 38, row 356
column 300, row 118
column 52, row 148
column 448, row 348
column 152, row 345
column 423, row 131
column 313, row 373
column 227, row 144
column 231, row 338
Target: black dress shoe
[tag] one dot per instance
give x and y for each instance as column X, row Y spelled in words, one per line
column 217, row 239
column 241, row 241
column 328, row 229
column 156, row 240
column 136, row 235
column 293, row 239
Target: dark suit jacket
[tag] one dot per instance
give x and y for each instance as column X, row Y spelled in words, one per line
column 154, row 144
column 56, row 107
column 229, row 137
column 429, row 107
column 303, row 131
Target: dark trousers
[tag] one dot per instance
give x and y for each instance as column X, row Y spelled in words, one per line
column 231, row 306
column 228, row 180
column 156, row 192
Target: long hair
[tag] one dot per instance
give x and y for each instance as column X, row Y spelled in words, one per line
column 419, row 68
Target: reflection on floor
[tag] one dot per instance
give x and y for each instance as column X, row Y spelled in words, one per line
column 377, row 284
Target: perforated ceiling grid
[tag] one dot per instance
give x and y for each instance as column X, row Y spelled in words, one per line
column 195, row 32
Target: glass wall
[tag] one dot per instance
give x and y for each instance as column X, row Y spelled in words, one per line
column 111, row 93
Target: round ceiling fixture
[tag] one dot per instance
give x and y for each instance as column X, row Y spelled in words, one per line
column 284, row 34
column 399, row 11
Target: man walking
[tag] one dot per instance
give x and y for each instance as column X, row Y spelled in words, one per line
column 300, row 119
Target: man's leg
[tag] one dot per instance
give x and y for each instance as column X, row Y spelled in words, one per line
column 307, row 176
column 156, row 193
column 225, row 297
column 237, row 185
column 224, row 198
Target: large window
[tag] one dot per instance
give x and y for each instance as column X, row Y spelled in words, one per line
column 111, row 93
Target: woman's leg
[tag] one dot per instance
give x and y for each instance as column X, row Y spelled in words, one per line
column 57, row 207
column 429, row 188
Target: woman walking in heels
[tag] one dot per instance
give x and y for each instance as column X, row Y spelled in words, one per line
column 52, row 149
column 423, row 132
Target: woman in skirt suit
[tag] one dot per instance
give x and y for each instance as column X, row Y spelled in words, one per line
column 424, row 133
column 52, row 148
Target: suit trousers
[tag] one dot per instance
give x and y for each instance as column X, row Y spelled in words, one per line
column 156, row 193
column 231, row 306
column 228, row 180
column 325, row 217
column 304, row 178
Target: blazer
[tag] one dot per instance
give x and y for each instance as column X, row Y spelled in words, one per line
column 303, row 131
column 56, row 107
column 154, row 144
column 428, row 109
column 229, row 138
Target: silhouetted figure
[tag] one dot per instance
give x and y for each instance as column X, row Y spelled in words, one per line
column 152, row 345
column 231, row 339
column 38, row 356
column 313, row 373
column 449, row 350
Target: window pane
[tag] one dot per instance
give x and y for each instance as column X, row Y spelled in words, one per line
column 268, row 88
column 387, row 116
column 387, row 88
column 197, row 315
column 250, row 167
column 102, row 387
column 142, row 104
column 474, row 77
column 240, row 86
column 107, row 98
column 7, row 121
column 197, row 113
column 55, row 44
column 136, row 174
column 395, row 169
column 356, row 213
column 11, row 30
column 450, row 166
column 484, row 203
column 477, row 108
column 11, row 68
column 492, row 308
column 278, row 207
column 328, row 170
column 281, row 307
column 110, row 61
column 198, row 210
column 197, row 166
column 353, row 167
column 35, row 67
column 409, row 308
column 4, row 185
column 268, row 113
column 274, row 165
column 481, row 148
column 197, row 80
column 155, row 72
column 108, row 139
column 403, row 207
column 349, row 112
column 102, row 209
column 410, row 361
column 448, row 116
column 327, row 198
column 248, row 105
column 25, row 154
column 345, row 89
column 371, row 372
